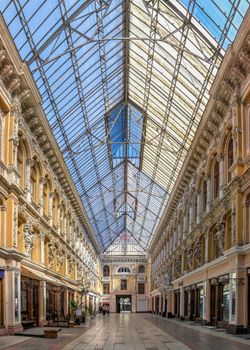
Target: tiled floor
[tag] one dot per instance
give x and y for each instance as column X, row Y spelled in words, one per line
column 125, row 332
column 130, row 332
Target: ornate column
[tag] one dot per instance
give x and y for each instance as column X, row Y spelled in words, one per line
column 206, row 247
column 208, row 193
column 191, row 221
column 179, row 233
column 42, row 181
column 222, row 175
column 15, row 226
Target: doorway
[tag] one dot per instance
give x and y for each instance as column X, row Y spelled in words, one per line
column 123, row 303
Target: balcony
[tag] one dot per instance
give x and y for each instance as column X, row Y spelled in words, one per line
column 141, row 277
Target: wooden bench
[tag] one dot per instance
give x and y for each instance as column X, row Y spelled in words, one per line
column 51, row 332
column 28, row 324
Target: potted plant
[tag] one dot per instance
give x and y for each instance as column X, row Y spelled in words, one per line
column 73, row 308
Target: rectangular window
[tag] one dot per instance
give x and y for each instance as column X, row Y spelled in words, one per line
column 123, row 284
column 141, row 288
column 106, row 288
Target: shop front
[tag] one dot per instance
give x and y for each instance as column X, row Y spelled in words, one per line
column 220, row 300
column 194, row 302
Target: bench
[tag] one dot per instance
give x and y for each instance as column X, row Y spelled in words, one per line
column 28, row 324
column 51, row 333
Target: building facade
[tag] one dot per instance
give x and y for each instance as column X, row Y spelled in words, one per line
column 201, row 252
column 126, row 284
column 48, row 254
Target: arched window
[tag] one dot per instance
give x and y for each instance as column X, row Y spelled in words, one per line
column 216, row 179
column 230, row 158
column 195, row 206
column 33, row 183
column 106, row 271
column 204, row 195
column 45, row 199
column 141, row 269
column 124, row 270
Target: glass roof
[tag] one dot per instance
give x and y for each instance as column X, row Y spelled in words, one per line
column 124, row 85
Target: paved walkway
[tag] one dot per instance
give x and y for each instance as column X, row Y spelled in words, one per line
column 130, row 332
column 125, row 332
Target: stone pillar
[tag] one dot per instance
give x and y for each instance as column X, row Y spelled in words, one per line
column 182, row 302
column 42, row 303
column 207, row 297
column 13, row 298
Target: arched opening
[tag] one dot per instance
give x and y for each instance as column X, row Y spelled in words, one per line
column 124, row 270
column 34, row 177
column 46, row 198
column 106, row 271
column 204, row 195
column 216, row 179
column 230, row 158
column 141, row 269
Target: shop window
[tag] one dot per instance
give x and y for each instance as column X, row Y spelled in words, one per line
column 216, row 179
column 225, row 302
column 200, row 302
column 105, row 288
column 141, row 288
column 141, row 269
column 106, row 271
column 233, row 296
column 123, row 284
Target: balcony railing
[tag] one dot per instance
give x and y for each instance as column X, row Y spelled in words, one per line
column 106, row 279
